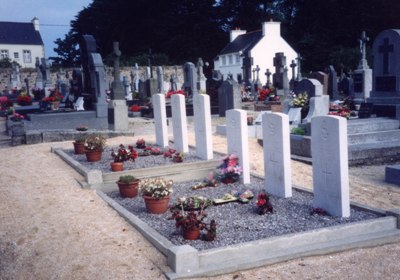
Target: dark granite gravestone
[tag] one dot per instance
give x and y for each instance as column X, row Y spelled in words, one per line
column 87, row 46
column 212, row 86
column 279, row 64
column 332, row 83
column 322, row 77
column 365, row 110
column 190, row 78
column 229, row 96
column 385, row 94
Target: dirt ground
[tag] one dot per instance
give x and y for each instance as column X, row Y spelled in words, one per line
column 51, row 228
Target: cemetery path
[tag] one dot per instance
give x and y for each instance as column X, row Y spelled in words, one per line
column 52, row 229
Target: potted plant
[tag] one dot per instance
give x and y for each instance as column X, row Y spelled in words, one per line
column 94, row 146
column 229, row 170
column 155, row 192
column 122, row 155
column 140, row 143
column 79, row 145
column 128, row 186
column 191, row 222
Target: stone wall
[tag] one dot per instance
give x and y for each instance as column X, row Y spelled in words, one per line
column 30, row 73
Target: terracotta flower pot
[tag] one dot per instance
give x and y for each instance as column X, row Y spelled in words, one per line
column 93, row 155
column 191, row 234
column 156, row 206
column 117, row 166
column 79, row 148
column 55, row 105
column 128, row 189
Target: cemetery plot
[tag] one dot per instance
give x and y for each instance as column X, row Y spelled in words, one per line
column 239, row 222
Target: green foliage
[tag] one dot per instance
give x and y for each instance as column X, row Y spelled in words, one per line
column 5, row 63
column 127, row 179
column 67, row 51
column 298, row 131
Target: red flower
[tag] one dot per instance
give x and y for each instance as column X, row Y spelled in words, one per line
column 135, row 108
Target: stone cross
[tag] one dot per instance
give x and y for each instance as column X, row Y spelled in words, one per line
column 268, row 74
column 293, row 65
column 257, row 71
column 363, row 41
column 254, row 75
column 116, row 55
column 199, row 66
column 385, row 49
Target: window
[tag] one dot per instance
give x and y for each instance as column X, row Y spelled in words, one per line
column 237, row 58
column 230, row 59
column 27, row 56
column 3, row 54
column 16, row 55
column 224, row 60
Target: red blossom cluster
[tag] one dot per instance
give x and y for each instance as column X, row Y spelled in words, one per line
column 171, row 92
column 263, row 204
column 124, row 154
column 135, row 108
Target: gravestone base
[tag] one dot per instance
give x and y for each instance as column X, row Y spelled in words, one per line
column 387, row 110
column 392, row 174
column 101, row 110
column 120, row 112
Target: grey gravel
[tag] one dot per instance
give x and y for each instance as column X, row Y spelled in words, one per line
column 140, row 162
column 237, row 223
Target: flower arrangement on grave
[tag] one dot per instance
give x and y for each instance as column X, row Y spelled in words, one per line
column 157, row 188
column 95, row 142
column 263, row 204
column 124, row 154
column 168, row 153
column 55, row 96
column 265, row 94
column 5, row 104
column 156, row 151
column 24, row 99
column 191, row 222
column 140, row 143
column 145, row 152
column 229, row 169
column 300, row 100
column 17, row 117
column 337, row 110
column 178, row 157
column 128, row 186
column 135, row 108
column 192, row 203
column 172, row 92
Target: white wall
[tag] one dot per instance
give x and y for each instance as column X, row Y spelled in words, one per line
column 264, row 51
column 233, row 68
column 36, row 51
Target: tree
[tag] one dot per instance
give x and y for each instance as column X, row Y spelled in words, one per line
column 67, row 50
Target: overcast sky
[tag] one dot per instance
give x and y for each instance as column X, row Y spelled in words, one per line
column 50, row 14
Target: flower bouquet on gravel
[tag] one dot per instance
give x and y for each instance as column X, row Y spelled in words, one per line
column 140, row 143
column 263, row 204
column 229, row 170
column 156, row 192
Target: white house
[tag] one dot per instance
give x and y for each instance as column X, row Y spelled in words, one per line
column 246, row 50
column 21, row 42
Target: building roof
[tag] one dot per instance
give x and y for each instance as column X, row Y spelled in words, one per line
column 19, row 33
column 244, row 42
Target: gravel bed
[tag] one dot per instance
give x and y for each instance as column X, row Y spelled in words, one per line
column 237, row 223
column 140, row 162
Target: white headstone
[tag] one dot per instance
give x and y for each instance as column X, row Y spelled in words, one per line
column 160, row 120
column 277, row 164
column 179, row 123
column 238, row 142
column 330, row 165
column 202, row 126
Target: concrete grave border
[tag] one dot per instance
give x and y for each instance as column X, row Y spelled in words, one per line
column 96, row 179
column 186, row 261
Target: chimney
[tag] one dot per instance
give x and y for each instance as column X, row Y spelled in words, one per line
column 35, row 22
column 235, row 33
column 271, row 29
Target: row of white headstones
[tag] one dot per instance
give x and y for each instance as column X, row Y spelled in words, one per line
column 328, row 148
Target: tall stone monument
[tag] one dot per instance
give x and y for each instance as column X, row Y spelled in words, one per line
column 385, row 94
column 117, row 109
column 362, row 76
